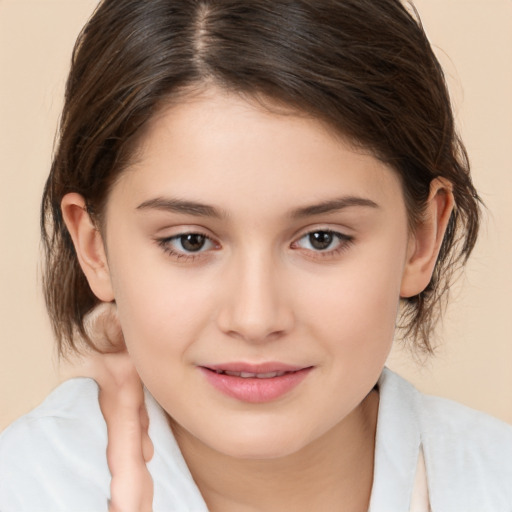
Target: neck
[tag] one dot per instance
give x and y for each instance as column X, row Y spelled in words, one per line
column 333, row 472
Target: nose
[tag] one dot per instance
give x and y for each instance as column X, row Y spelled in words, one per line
column 255, row 307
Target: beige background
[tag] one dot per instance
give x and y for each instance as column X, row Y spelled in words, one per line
column 473, row 39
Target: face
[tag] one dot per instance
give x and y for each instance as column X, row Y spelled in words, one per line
column 261, row 245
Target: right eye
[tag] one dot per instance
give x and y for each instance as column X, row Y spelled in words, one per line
column 186, row 245
column 191, row 242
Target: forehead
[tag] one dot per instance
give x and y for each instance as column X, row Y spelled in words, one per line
column 221, row 148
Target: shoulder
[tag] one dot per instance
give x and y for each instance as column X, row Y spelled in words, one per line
column 54, row 457
column 468, row 454
column 443, row 419
column 467, row 436
column 466, row 428
column 467, row 450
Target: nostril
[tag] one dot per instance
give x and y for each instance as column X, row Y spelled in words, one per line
column 254, row 309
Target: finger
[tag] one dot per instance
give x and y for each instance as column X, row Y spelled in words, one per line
column 121, row 403
column 121, row 411
column 121, row 400
column 103, row 328
column 147, row 444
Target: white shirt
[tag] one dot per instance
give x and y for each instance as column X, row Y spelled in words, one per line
column 53, row 459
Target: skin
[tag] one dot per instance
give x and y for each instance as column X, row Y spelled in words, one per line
column 121, row 401
column 259, row 291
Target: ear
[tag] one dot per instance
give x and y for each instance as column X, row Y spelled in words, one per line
column 425, row 242
column 89, row 246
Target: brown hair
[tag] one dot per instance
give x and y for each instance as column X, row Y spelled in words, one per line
column 363, row 66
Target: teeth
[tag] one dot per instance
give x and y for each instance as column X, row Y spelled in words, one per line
column 232, row 374
column 269, row 375
column 248, row 375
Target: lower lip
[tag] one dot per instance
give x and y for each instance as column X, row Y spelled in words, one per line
column 255, row 390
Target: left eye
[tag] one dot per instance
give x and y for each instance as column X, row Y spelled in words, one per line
column 190, row 242
column 322, row 240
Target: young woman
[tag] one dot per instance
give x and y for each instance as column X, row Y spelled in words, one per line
column 258, row 192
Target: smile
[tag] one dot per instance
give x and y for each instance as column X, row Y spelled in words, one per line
column 249, row 375
column 261, row 384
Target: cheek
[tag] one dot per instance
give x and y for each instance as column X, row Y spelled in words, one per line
column 161, row 310
column 361, row 297
column 352, row 315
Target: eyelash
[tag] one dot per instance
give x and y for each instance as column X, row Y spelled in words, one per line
column 165, row 244
column 344, row 242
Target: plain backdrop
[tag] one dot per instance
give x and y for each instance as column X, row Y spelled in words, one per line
column 473, row 39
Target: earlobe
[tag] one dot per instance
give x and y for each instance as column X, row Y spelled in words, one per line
column 89, row 246
column 425, row 242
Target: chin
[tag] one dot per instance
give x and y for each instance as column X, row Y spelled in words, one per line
column 260, row 449
column 261, row 440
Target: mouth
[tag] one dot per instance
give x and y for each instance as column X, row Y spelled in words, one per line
column 255, row 383
column 249, row 375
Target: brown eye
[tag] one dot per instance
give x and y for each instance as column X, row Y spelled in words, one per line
column 321, row 240
column 187, row 246
column 324, row 241
column 192, row 242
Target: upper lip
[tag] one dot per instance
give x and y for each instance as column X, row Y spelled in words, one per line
column 268, row 367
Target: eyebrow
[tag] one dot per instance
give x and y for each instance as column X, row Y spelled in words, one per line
column 332, row 206
column 175, row 205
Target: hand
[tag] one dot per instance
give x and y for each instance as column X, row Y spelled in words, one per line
column 129, row 446
column 121, row 401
